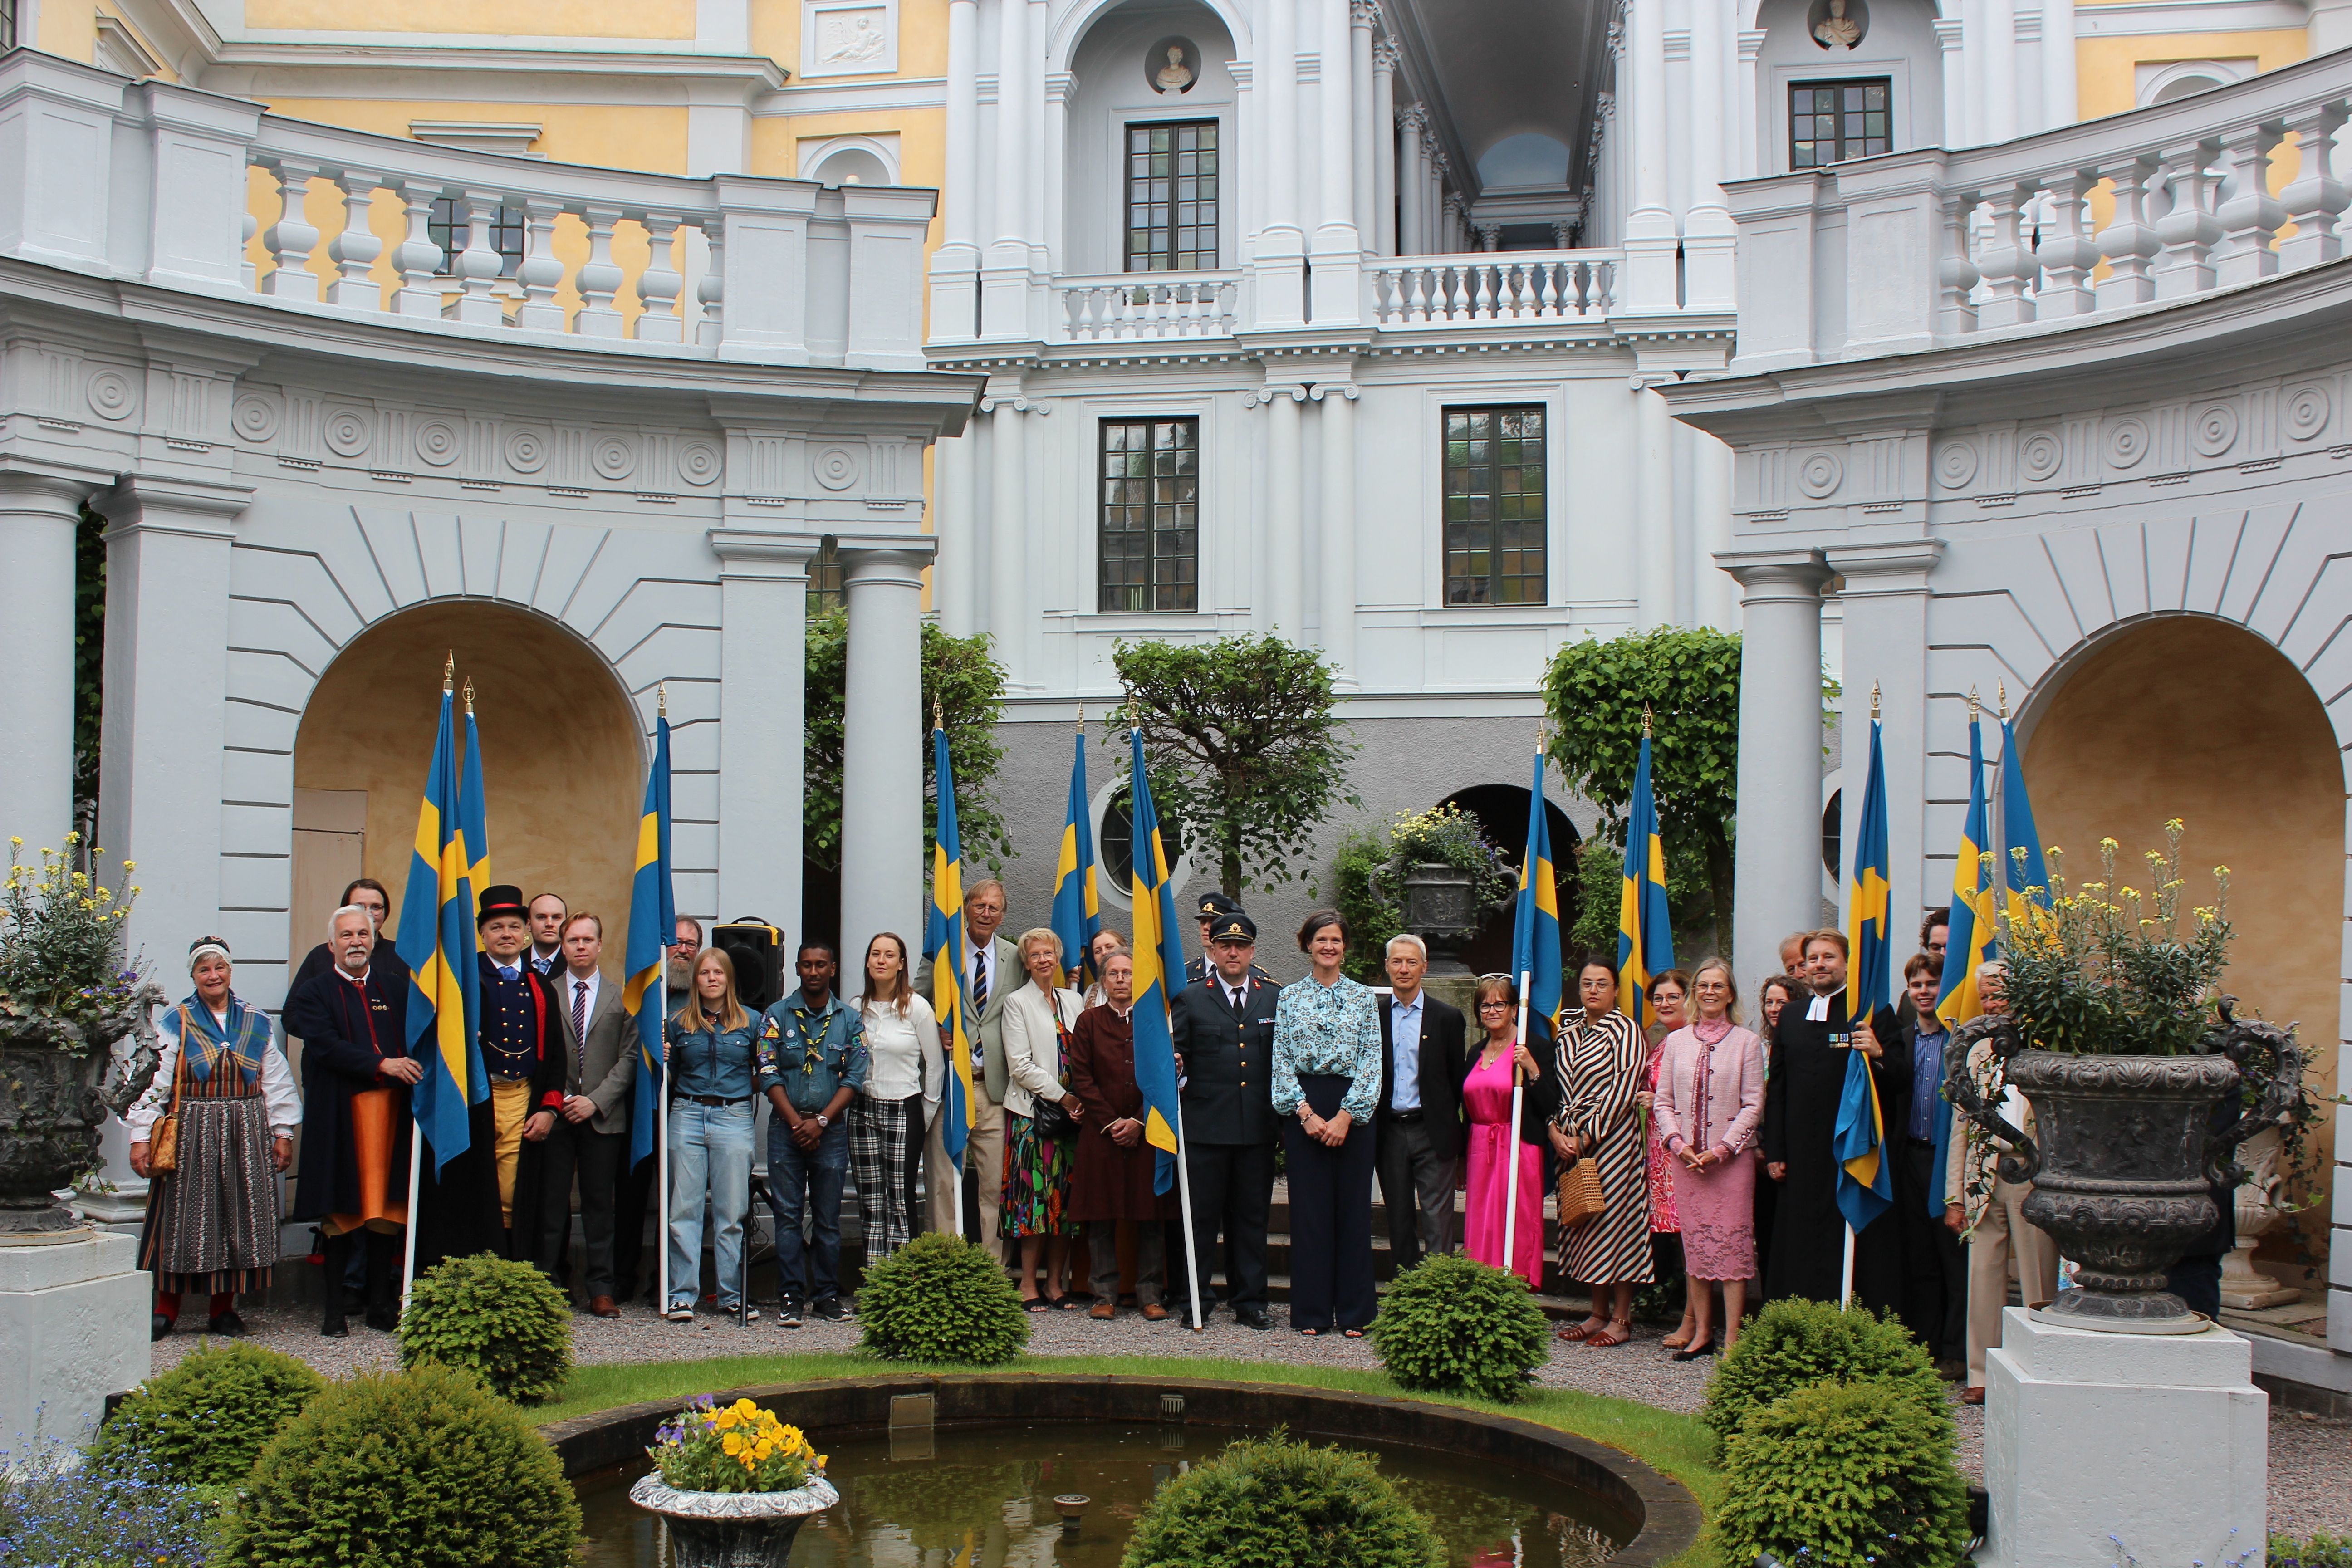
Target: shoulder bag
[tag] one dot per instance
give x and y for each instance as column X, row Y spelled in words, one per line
column 163, row 1138
column 1049, row 1118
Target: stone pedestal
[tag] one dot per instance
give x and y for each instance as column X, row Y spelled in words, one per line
column 2159, row 1440
column 73, row 1329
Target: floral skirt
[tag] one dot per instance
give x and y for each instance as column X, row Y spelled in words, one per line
column 1036, row 1182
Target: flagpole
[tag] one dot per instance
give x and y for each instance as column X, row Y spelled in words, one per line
column 1845, row 1279
column 1510, row 1176
column 661, row 1106
column 408, row 1246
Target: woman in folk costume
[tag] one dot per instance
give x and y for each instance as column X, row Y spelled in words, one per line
column 1600, row 1058
column 225, row 1092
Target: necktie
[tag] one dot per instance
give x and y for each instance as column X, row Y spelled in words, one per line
column 1234, row 997
column 580, row 1032
column 979, row 1006
column 509, row 971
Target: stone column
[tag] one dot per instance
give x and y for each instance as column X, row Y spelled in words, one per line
column 1282, row 595
column 1650, row 239
column 1008, row 609
column 1281, row 239
column 762, row 721
column 1653, row 508
column 1385, row 149
column 1362, row 110
column 1997, row 49
column 1708, row 229
column 882, row 747
column 1777, row 863
column 1884, row 602
column 955, row 575
column 1752, row 158
column 955, row 266
column 1337, row 584
column 40, row 509
column 166, row 725
column 1949, row 34
column 1412, row 186
column 2058, row 64
column 1004, row 277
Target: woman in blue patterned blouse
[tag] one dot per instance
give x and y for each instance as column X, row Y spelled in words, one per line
column 1327, row 1084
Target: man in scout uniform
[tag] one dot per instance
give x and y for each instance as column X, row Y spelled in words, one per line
column 1225, row 1042
column 812, row 1064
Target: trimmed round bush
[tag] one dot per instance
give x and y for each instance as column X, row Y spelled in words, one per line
column 203, row 1422
column 504, row 1319
column 941, row 1298
column 1844, row 1475
column 1794, row 1343
column 1454, row 1324
column 1270, row 1502
column 416, row 1469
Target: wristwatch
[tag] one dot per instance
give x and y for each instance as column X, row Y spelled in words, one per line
column 823, row 1122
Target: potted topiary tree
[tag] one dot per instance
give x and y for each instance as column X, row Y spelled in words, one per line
column 735, row 1485
column 2117, row 1033
column 68, row 994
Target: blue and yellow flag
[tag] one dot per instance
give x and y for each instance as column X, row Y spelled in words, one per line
column 943, row 946
column 474, row 830
column 1865, row 1182
column 1077, row 914
column 1158, row 967
column 1535, row 927
column 1972, row 935
column 653, row 924
column 1645, row 936
column 436, row 943
column 2027, row 877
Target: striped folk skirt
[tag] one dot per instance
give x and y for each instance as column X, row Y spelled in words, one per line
column 1036, row 1182
column 211, row 1224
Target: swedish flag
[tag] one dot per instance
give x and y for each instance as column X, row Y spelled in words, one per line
column 1077, row 914
column 1865, row 1185
column 653, row 924
column 1646, row 937
column 2027, row 875
column 1970, row 941
column 1158, row 956
column 436, row 943
column 1535, row 928
column 943, row 946
column 474, row 831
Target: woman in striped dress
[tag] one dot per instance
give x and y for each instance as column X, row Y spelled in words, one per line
column 1601, row 1057
column 212, row 1219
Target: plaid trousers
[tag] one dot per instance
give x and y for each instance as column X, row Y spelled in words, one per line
column 884, row 1146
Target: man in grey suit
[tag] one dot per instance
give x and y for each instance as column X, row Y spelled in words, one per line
column 590, row 1138
column 992, row 972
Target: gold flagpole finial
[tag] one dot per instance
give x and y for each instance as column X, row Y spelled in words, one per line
column 939, row 712
column 1645, row 719
column 1873, row 701
column 1082, row 718
column 449, row 674
column 2004, row 701
column 661, row 699
column 1972, row 705
column 469, row 697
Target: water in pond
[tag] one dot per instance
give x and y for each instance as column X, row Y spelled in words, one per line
column 983, row 1497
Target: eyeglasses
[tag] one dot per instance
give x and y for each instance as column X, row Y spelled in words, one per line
column 1494, row 1007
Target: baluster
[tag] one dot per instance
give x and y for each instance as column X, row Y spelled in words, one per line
column 418, row 259
column 1102, row 308
column 1458, row 299
column 1379, row 297
column 2127, row 242
column 540, row 272
column 250, row 226
column 599, row 278
column 354, row 251
column 2188, row 231
column 2250, row 219
column 1577, row 281
column 659, row 284
column 1082, row 314
column 1547, row 290
column 1155, row 312
column 477, row 266
column 2066, row 252
column 1957, row 276
column 2006, row 262
column 1483, row 302
column 1413, row 282
column 712, row 290
column 2317, row 197
column 1194, row 313
column 291, row 239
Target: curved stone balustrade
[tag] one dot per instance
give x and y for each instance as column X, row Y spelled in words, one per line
column 1504, row 286
column 1130, row 306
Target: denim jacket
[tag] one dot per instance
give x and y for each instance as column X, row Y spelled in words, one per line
column 809, row 1054
column 713, row 1064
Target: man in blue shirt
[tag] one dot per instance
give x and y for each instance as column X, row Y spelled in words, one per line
column 1935, row 1265
column 812, row 1060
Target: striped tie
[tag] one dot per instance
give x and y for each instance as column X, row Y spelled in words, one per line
column 979, row 1006
column 580, row 1032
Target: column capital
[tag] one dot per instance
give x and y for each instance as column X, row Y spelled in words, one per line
column 1751, row 44
column 1948, row 31
column 64, row 484
column 1886, row 567
column 1365, row 14
column 743, row 553
column 1792, row 572
column 1385, row 54
column 153, row 503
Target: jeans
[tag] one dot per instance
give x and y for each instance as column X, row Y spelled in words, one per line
column 709, row 1159
column 807, row 1181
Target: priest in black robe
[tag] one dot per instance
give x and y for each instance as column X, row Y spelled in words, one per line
column 1810, row 1047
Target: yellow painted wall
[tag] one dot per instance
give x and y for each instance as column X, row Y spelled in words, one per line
column 2133, row 738
column 69, row 28
column 536, row 18
column 2107, row 81
column 613, row 136
column 922, row 37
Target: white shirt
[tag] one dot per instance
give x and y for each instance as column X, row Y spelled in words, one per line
column 595, row 980
column 283, row 1101
column 903, row 1055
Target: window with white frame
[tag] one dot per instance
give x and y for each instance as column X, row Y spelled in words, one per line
column 1171, row 196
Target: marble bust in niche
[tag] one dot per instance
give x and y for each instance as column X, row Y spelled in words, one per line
column 1175, row 76
column 1834, row 27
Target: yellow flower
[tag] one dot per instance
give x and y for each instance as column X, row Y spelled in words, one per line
column 745, row 1408
column 135, row 889
column 820, row 1461
column 728, row 1421
column 131, row 865
column 733, row 1442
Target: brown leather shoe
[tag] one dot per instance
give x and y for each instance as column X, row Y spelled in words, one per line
column 1155, row 1313
column 604, row 1307
column 1102, row 1311
column 1973, row 1396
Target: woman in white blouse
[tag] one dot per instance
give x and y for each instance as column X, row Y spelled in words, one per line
column 905, row 1071
column 1038, row 1019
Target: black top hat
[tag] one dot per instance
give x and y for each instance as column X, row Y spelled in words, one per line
column 500, row 900
column 1233, row 928
column 1215, row 906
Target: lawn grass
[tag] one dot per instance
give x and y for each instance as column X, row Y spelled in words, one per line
column 1676, row 1445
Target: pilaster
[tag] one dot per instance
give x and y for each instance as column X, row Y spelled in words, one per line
column 1777, row 863
column 762, row 721
column 882, row 740
column 1337, row 563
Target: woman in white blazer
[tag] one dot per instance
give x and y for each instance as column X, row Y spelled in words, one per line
column 1037, row 1020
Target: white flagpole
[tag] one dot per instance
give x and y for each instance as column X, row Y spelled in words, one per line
column 1511, row 1145
column 1845, row 1280
column 661, row 1137
column 408, row 1246
column 1184, row 1200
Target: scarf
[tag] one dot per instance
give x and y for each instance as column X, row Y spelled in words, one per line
column 204, row 1041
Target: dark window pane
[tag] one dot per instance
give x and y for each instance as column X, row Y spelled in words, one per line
column 448, row 226
column 1832, row 121
column 1149, row 515
column 1493, row 510
column 1171, row 195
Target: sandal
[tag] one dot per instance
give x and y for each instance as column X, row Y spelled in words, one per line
column 1036, row 1304
column 1067, row 1301
column 1351, row 1333
column 1609, row 1337
column 1677, row 1341
column 1577, row 1333
column 1310, row 1334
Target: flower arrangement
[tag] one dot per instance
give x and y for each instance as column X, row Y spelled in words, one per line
column 742, row 1447
column 1449, row 836
column 61, row 940
column 59, row 1510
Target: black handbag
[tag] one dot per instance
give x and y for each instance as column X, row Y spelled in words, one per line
column 1048, row 1118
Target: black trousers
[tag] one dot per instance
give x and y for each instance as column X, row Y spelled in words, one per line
column 596, row 1158
column 1935, row 1261
column 633, row 1201
column 1233, row 1192
column 1417, row 1186
column 1330, row 1217
column 2198, row 1281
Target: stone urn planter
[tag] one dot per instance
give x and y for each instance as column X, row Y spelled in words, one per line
column 58, row 1080
column 733, row 1530
column 1441, row 908
column 2243, row 1286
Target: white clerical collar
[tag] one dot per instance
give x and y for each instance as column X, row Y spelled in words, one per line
column 1817, row 1011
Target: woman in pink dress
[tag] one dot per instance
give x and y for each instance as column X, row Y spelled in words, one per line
column 1504, row 1166
column 1710, row 1098
column 1669, row 1001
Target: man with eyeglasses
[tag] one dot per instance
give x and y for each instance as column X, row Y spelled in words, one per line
column 635, row 1187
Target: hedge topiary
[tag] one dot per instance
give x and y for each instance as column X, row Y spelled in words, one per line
column 1272, row 1503
column 202, row 1423
column 504, row 1319
column 939, row 1298
column 1793, row 1344
column 1451, row 1322
column 416, row 1469
column 1841, row 1475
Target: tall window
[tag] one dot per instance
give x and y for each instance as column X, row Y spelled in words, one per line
column 1151, row 515
column 1494, row 506
column 1171, row 197
column 1830, row 121
column 825, row 589
column 447, row 227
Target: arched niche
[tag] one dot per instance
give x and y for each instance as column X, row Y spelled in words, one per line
column 562, row 761
column 1899, row 46
column 1502, row 813
column 1113, row 91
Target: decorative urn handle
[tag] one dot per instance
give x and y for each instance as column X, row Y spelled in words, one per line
column 2246, row 1044
column 2022, row 1161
